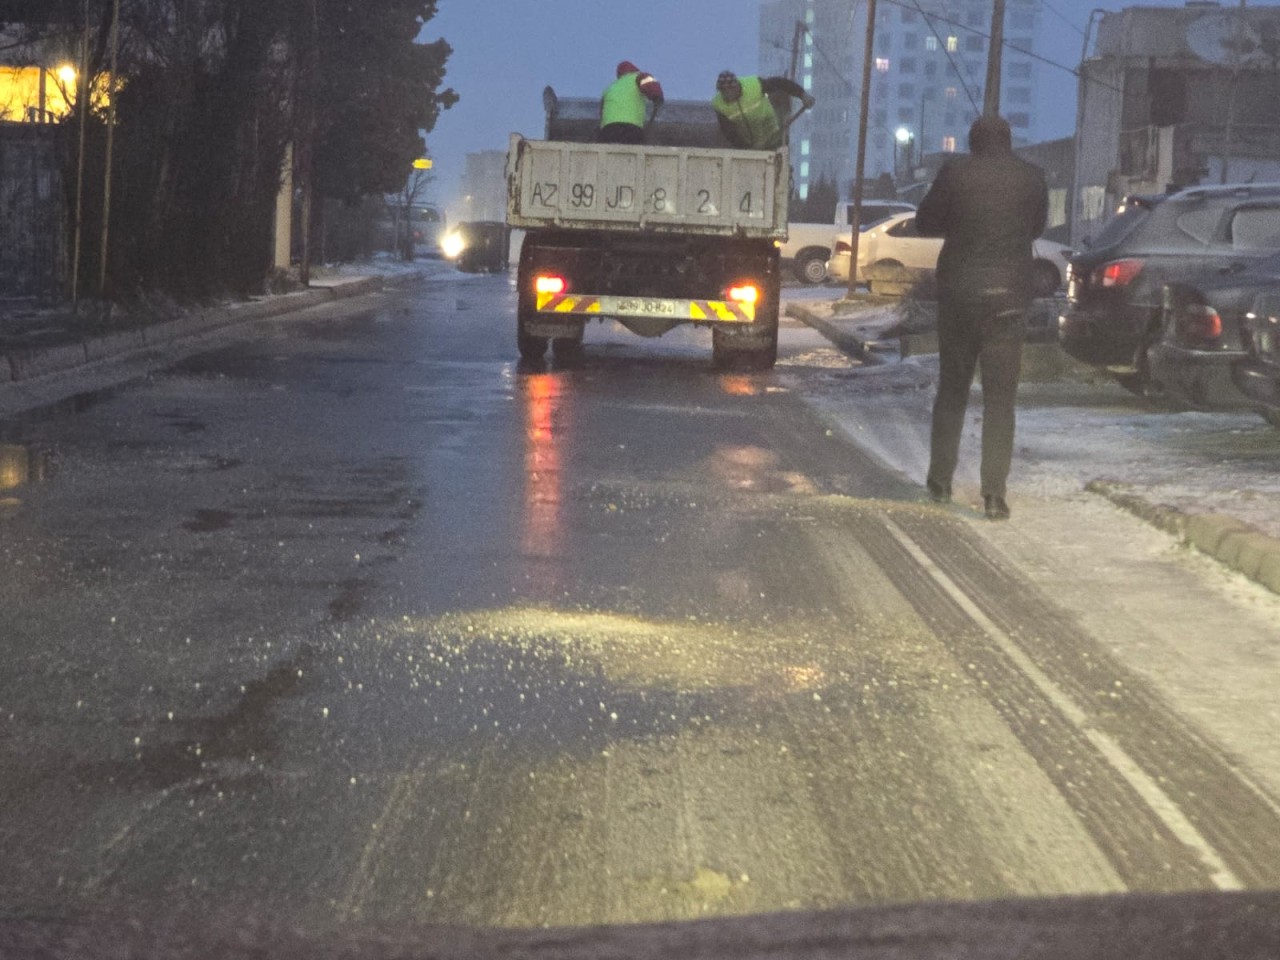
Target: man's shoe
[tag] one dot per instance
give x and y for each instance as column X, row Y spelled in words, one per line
column 995, row 508
column 939, row 492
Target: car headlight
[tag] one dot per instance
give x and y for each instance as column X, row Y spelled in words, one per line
column 452, row 245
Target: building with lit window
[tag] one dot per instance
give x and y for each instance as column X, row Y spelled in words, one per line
column 927, row 79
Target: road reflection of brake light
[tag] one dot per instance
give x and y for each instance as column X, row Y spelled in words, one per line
column 1117, row 273
column 745, row 293
column 549, row 284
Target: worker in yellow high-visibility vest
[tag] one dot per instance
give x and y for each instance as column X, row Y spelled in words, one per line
column 623, row 104
column 746, row 111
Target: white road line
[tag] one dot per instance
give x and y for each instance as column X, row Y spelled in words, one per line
column 1147, row 788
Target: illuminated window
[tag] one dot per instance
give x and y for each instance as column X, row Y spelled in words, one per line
column 804, row 169
column 808, row 81
column 949, row 144
column 882, row 64
column 804, row 148
column 931, row 43
column 953, row 44
column 950, row 93
column 808, row 61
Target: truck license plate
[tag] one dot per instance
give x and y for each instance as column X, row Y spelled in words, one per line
column 646, row 307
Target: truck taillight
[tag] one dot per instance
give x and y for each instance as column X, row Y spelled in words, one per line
column 744, row 293
column 549, row 284
column 1117, row 273
column 842, row 246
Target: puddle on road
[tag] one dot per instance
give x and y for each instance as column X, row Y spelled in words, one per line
column 21, row 466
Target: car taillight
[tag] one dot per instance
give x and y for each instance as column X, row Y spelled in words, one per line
column 549, row 283
column 843, row 246
column 1117, row 273
column 744, row 293
column 1199, row 324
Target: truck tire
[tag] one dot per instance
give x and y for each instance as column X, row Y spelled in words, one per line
column 757, row 350
column 811, row 265
column 744, row 353
column 531, row 348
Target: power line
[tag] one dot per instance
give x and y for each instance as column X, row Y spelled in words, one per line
column 942, row 44
column 915, row 6
column 1057, row 13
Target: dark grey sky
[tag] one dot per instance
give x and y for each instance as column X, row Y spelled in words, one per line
column 506, row 51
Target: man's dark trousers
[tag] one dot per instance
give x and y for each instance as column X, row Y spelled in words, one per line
column 970, row 334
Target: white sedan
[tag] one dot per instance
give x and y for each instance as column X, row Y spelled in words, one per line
column 896, row 243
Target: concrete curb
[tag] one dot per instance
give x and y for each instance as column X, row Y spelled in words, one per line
column 1232, row 542
column 849, row 343
column 29, row 364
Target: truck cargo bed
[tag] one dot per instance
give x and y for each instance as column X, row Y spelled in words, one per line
column 698, row 191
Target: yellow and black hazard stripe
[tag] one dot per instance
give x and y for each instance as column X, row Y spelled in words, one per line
column 564, row 303
column 722, row 310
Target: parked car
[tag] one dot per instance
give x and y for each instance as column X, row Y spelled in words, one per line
column 478, row 246
column 1114, row 287
column 412, row 232
column 1202, row 332
column 807, row 250
column 809, row 245
column 896, row 242
column 1257, row 373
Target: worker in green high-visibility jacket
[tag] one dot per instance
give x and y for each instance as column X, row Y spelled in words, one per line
column 623, row 106
column 746, row 109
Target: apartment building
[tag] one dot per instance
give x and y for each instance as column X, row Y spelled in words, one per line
column 927, row 79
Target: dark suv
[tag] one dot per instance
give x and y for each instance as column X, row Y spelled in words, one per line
column 1114, row 286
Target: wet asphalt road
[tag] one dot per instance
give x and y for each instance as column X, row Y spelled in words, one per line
column 361, row 623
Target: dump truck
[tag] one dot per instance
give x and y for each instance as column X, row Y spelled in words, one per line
column 683, row 229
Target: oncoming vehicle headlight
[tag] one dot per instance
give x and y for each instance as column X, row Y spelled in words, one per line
column 452, row 244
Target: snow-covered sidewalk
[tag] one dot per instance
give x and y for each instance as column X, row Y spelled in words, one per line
column 1076, row 432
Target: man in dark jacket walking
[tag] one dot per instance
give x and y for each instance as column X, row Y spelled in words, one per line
column 988, row 206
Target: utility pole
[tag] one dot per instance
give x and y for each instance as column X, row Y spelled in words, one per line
column 1083, row 91
column 796, row 39
column 868, row 52
column 310, row 72
column 1231, row 98
column 111, row 139
column 82, row 105
column 995, row 54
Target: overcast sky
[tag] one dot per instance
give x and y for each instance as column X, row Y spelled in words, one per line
column 506, row 51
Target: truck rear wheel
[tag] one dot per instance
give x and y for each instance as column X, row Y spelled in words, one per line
column 531, row 347
column 744, row 353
